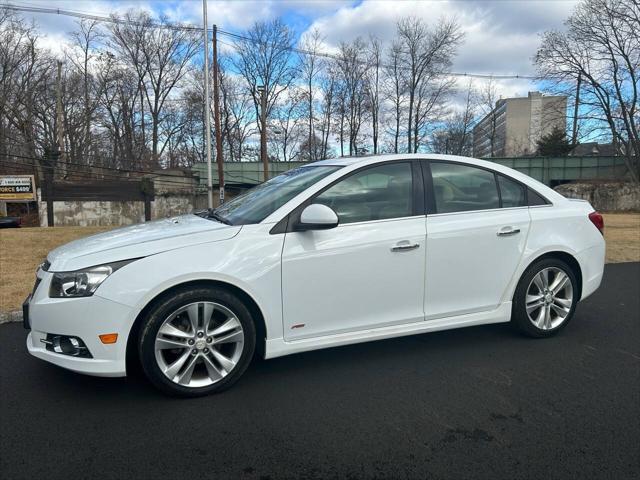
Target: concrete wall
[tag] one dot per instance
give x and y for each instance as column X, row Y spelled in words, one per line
column 606, row 197
column 113, row 213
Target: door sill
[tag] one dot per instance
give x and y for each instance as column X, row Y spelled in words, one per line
column 278, row 347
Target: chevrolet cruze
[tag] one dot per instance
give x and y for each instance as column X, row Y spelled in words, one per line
column 332, row 253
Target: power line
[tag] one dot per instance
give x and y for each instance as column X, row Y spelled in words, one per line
column 76, row 169
column 185, row 27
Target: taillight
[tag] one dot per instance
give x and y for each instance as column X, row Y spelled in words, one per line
column 597, row 220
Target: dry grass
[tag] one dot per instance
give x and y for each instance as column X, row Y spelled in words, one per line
column 622, row 233
column 22, row 249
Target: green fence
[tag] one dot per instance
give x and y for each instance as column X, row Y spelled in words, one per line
column 549, row 170
column 556, row 170
column 247, row 173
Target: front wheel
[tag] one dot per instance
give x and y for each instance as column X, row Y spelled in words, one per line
column 545, row 298
column 197, row 341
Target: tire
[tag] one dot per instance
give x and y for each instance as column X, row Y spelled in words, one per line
column 187, row 359
column 531, row 318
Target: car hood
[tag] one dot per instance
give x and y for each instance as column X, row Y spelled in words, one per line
column 137, row 241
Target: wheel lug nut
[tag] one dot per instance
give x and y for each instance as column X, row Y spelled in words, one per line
column 190, row 342
column 206, row 350
column 209, row 339
column 200, row 334
column 194, row 351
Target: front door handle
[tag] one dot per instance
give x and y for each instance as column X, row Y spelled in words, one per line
column 507, row 231
column 404, row 246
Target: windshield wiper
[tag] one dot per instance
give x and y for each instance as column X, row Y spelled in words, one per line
column 211, row 213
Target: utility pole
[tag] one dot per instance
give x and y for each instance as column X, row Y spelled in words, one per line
column 207, row 105
column 216, row 115
column 59, row 115
column 263, row 131
column 574, row 133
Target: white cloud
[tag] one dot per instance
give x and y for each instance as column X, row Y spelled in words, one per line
column 500, row 36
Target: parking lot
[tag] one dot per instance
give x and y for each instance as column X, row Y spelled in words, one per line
column 480, row 402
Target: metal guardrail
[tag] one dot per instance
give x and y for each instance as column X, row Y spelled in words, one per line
column 549, row 170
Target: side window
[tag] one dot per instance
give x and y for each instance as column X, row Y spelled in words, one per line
column 376, row 193
column 462, row 188
column 512, row 193
column 535, row 199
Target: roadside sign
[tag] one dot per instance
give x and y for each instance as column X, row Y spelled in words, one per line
column 17, row 188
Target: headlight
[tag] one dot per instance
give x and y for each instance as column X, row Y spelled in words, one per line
column 82, row 283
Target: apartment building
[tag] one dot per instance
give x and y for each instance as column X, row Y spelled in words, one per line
column 515, row 125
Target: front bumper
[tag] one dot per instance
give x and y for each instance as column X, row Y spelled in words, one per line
column 85, row 318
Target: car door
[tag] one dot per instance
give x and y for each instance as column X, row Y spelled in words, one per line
column 477, row 228
column 369, row 270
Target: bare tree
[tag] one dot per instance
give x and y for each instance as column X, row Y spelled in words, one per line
column 601, row 45
column 455, row 137
column 328, row 91
column 286, row 127
column 84, row 41
column 310, row 68
column 425, row 53
column 395, row 87
column 373, row 80
column 264, row 59
column 351, row 66
column 237, row 119
column 162, row 57
column 25, row 81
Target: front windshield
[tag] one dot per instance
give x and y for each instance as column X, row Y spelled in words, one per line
column 261, row 201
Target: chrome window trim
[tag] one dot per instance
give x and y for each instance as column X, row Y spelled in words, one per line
column 380, row 220
column 481, row 211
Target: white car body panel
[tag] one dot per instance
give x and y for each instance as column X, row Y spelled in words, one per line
column 341, row 279
column 465, row 254
column 138, row 240
column 336, row 282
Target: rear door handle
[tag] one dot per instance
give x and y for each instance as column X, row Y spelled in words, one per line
column 507, row 231
column 404, row 246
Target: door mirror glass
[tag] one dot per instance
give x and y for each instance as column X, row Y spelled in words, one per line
column 317, row 217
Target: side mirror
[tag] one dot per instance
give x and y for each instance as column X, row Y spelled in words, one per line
column 317, row 217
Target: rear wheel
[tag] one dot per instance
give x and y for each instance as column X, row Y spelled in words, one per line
column 545, row 298
column 197, row 342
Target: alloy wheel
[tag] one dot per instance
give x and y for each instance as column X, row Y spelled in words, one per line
column 199, row 344
column 549, row 298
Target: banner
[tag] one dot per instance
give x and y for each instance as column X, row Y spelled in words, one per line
column 17, row 188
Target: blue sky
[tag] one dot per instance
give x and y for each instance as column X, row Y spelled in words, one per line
column 501, row 35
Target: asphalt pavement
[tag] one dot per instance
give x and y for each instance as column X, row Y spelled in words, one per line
column 480, row 402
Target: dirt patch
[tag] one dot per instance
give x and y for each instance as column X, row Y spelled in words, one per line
column 622, row 233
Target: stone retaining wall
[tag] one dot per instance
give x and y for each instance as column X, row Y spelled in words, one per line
column 606, row 196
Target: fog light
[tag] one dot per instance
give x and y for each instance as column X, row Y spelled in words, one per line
column 66, row 345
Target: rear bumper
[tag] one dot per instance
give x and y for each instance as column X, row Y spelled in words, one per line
column 591, row 263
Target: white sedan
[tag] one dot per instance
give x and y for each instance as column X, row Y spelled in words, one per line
column 332, row 253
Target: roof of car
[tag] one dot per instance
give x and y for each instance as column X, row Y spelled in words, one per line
column 364, row 159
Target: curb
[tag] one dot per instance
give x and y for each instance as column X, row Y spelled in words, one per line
column 6, row 317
